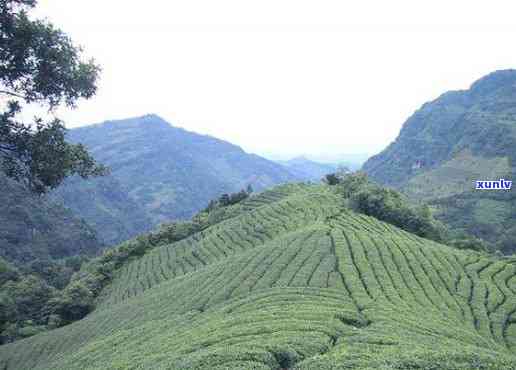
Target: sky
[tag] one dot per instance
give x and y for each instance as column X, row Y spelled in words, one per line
column 283, row 78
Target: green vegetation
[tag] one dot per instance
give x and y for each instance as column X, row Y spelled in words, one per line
column 40, row 296
column 31, row 227
column 107, row 207
column 159, row 174
column 27, row 293
column 289, row 278
column 449, row 143
column 39, row 64
column 393, row 207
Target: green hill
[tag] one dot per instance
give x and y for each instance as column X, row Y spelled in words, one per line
column 451, row 142
column 159, row 173
column 32, row 227
column 294, row 279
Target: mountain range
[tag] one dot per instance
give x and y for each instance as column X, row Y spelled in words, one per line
column 450, row 143
column 159, row 173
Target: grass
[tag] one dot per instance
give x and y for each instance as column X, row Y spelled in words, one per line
column 293, row 280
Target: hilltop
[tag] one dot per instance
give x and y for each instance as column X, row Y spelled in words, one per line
column 159, row 173
column 451, row 142
column 292, row 278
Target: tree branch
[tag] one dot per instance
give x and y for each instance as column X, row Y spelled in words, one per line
column 10, row 93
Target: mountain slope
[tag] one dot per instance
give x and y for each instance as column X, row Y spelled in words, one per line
column 168, row 173
column 295, row 280
column 33, row 227
column 451, row 142
column 107, row 207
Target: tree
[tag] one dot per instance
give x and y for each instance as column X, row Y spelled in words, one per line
column 39, row 64
column 331, row 179
column 224, row 200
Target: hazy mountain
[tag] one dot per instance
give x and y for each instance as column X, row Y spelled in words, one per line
column 159, row 173
column 293, row 279
column 451, row 142
column 33, row 227
column 353, row 161
column 107, row 207
column 307, row 169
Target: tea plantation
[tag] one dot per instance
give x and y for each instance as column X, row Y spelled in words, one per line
column 295, row 280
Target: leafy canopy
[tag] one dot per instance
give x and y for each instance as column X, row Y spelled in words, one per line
column 39, row 64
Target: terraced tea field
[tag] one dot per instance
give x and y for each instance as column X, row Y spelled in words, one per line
column 295, row 280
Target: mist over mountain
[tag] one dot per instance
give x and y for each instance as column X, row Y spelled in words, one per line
column 307, row 169
column 352, row 161
column 159, row 173
column 451, row 142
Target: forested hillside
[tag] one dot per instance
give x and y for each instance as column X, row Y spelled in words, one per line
column 159, row 173
column 32, row 227
column 107, row 207
column 451, row 142
column 292, row 278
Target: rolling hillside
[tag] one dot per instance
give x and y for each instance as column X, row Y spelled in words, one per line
column 451, row 142
column 294, row 279
column 159, row 173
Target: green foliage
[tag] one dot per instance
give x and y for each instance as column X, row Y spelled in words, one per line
column 488, row 216
column 291, row 278
column 24, row 304
column 7, row 272
column 39, row 64
column 230, row 199
column 331, row 179
column 32, row 227
column 71, row 304
column 390, row 206
column 471, row 242
column 27, row 293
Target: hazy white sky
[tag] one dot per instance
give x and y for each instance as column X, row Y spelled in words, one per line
column 284, row 77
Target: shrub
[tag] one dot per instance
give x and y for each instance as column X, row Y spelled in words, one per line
column 390, row 206
column 71, row 304
column 331, row 179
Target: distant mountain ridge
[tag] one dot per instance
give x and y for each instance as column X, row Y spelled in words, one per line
column 163, row 172
column 451, row 142
column 308, row 169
